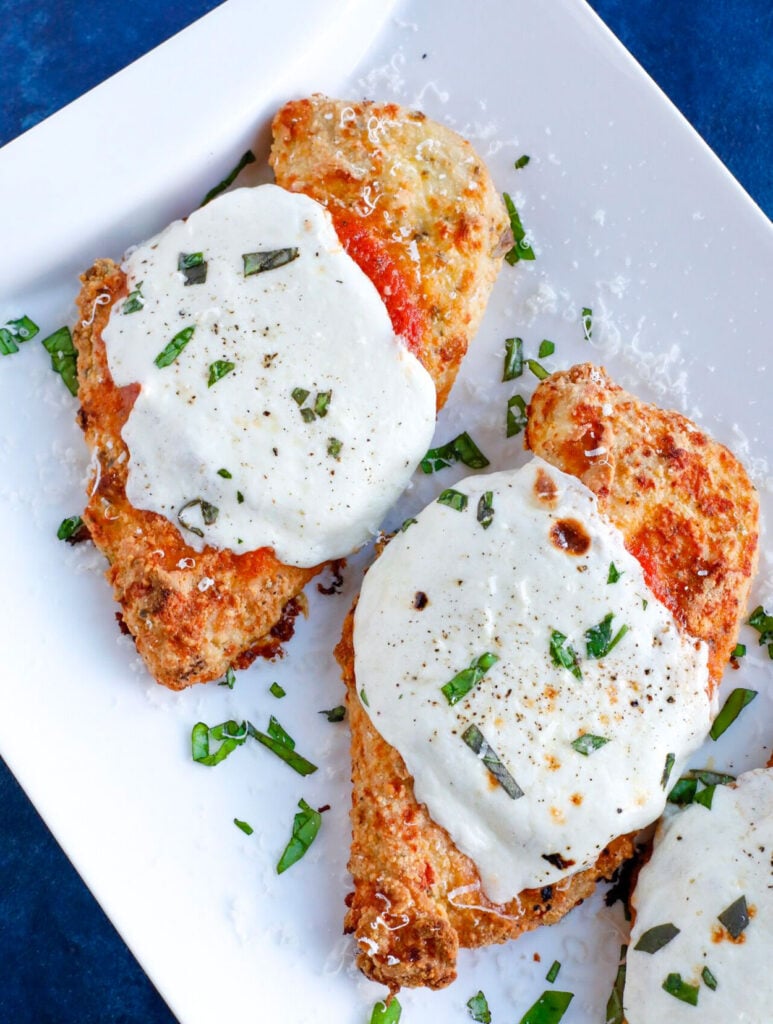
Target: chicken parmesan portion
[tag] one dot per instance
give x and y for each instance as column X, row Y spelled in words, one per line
column 530, row 731
column 413, row 202
column 700, row 944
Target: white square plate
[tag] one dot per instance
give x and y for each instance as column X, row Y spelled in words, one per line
column 630, row 214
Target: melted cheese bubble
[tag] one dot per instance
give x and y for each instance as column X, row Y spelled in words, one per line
column 290, row 415
column 704, row 861
column 531, row 589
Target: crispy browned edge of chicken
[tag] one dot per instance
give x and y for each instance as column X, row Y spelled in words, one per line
column 688, row 511
column 421, row 190
column 185, row 635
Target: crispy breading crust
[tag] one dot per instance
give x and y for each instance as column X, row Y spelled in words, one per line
column 685, row 507
column 185, row 634
column 421, row 190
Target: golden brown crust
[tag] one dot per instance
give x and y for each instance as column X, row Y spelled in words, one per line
column 417, row 186
column 410, row 881
column 185, row 635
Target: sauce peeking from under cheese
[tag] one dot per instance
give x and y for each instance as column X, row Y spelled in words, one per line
column 288, row 413
column 498, row 768
column 703, row 862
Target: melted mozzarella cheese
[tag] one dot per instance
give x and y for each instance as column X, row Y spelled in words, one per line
column 447, row 591
column 703, row 861
column 307, row 476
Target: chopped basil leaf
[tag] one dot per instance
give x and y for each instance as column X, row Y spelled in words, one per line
column 271, row 259
column 244, row 826
column 247, row 158
column 667, row 769
column 335, row 714
column 711, row 778
column 736, row 917
column 763, row 623
column 587, row 743
column 240, row 497
column 276, row 691
column 461, row 449
column 229, row 680
column 546, row 348
column 552, row 974
column 739, row 651
column 225, row 474
column 521, row 162
column 681, row 990
column 300, row 395
column 209, row 514
column 322, row 402
column 708, row 979
column 218, row 370
column 19, row 330
column 465, row 680
column 478, row 1007
column 364, row 698
column 615, row 1002
column 587, row 322
column 549, row 1008
column 733, row 706
column 305, row 827
column 193, row 266
column 64, row 358
column 168, row 354
column 599, row 640
column 683, row 792
column 486, row 509
column 521, row 249
column 334, row 447
column 133, row 302
column 69, row 526
column 513, row 367
column 307, row 415
column 656, row 938
column 281, row 744
column 516, row 421
column 537, row 369
column 384, row 1013
column 614, row 573
column 454, row 499
column 475, row 740
column 564, row 656
column 705, row 797
column 407, row 522
column 229, row 735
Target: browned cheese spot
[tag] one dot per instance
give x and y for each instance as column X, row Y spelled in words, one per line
column 545, row 488
column 570, row 536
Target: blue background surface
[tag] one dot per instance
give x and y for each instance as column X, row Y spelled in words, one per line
column 61, row 961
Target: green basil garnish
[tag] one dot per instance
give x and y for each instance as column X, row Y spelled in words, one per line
column 478, row 1007
column 321, row 402
column 69, row 527
column 386, row 1013
column 283, row 745
column 732, row 708
column 667, row 769
column 334, row 447
column 708, row 979
column 522, row 161
column 270, row 259
column 229, row 735
column 521, row 249
column 656, row 938
column 763, row 623
column 229, row 680
column 565, row 656
column 337, row 714
column 218, row 370
column 549, row 1008
column 299, row 395
column 464, row 681
column 133, row 302
column 170, row 352
column 546, row 348
column 599, row 640
column 614, row 1013
column 462, row 449
column 537, row 369
column 244, row 826
column 305, row 828
column 226, row 475
column 64, row 358
column 614, row 573
column 247, row 158
column 276, row 691
column 407, row 522
column 513, row 367
column 475, row 740
column 193, row 267
column 486, row 509
column 739, row 651
column 587, row 743
column 683, row 792
column 240, row 497
column 454, row 499
column 681, row 990
column 552, row 974
column 587, row 322
column 516, row 420
column 735, row 917
column 209, row 514
column 19, row 330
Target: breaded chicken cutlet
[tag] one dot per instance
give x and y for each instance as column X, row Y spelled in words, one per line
column 688, row 513
column 415, row 208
